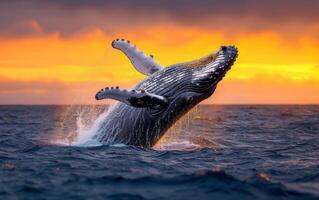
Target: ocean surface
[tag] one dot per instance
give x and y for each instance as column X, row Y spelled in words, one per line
column 215, row 152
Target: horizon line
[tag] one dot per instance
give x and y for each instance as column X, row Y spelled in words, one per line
column 217, row 104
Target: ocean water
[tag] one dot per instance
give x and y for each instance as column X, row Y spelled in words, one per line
column 215, row 152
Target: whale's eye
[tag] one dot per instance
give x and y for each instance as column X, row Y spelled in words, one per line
column 190, row 98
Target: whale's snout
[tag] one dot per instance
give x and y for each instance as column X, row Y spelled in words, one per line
column 224, row 61
column 209, row 74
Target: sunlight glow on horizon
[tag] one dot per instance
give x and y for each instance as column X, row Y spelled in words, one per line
column 80, row 65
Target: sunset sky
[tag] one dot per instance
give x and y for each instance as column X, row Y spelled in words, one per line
column 59, row 52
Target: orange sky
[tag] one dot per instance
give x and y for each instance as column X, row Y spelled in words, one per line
column 49, row 67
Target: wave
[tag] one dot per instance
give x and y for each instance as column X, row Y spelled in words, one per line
column 205, row 184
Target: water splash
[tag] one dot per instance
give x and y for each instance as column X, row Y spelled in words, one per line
column 80, row 125
column 183, row 136
column 85, row 134
column 83, row 125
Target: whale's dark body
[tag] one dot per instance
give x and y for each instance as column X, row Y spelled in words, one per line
column 143, row 119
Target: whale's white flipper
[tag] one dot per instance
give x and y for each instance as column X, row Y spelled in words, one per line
column 138, row 99
column 143, row 63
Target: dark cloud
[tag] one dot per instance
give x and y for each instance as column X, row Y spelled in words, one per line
column 72, row 16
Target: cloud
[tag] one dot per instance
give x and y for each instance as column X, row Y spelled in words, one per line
column 73, row 16
column 8, row 85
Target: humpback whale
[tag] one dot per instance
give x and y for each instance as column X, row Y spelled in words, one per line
column 143, row 115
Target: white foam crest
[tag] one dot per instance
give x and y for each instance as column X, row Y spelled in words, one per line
column 178, row 145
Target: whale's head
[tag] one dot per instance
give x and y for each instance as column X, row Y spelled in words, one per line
column 185, row 85
column 207, row 72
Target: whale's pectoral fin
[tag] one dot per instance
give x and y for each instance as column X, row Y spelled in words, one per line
column 143, row 63
column 138, row 99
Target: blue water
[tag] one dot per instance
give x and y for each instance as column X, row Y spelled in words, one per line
column 216, row 152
